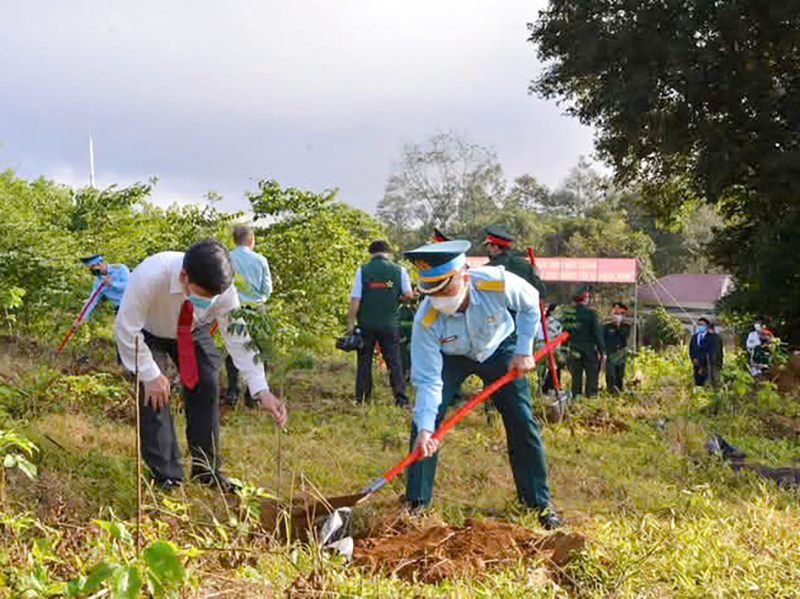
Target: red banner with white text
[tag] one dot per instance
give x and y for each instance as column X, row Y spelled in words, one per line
column 579, row 270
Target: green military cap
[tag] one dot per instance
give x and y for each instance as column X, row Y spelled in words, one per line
column 437, row 263
column 582, row 292
column 498, row 235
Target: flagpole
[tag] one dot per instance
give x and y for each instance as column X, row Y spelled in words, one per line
column 91, row 161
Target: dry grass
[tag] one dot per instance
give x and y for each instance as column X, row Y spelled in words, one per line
column 663, row 518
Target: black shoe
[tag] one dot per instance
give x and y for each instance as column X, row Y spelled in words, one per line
column 549, row 519
column 222, row 483
column 401, row 402
column 167, row 484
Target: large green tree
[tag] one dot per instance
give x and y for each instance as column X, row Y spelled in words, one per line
column 694, row 99
column 314, row 245
column 445, row 181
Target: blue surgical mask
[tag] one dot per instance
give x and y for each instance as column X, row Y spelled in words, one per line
column 701, row 328
column 204, row 303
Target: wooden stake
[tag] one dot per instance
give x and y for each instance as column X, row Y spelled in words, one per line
column 138, row 458
column 280, row 446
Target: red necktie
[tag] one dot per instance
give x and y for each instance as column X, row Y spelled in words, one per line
column 187, row 362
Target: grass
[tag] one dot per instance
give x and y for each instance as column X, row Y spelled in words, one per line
column 663, row 518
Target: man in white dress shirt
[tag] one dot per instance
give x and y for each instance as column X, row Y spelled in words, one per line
column 170, row 302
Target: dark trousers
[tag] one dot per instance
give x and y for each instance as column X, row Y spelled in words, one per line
column 700, row 376
column 584, row 361
column 706, row 375
column 389, row 342
column 513, row 401
column 159, row 444
column 615, row 373
column 232, row 393
column 116, row 349
column 549, row 384
column 405, row 355
column 701, row 371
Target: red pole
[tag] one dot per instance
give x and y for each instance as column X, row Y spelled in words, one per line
column 551, row 361
column 78, row 320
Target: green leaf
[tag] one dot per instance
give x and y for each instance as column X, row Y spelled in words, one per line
column 99, row 574
column 127, row 583
column 157, row 588
column 75, row 587
column 162, row 560
column 28, row 468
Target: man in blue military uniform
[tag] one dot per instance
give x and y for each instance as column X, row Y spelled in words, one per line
column 464, row 327
column 114, row 278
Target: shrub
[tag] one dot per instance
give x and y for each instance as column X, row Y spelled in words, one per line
column 661, row 329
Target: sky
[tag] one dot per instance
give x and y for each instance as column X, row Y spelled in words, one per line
column 314, row 93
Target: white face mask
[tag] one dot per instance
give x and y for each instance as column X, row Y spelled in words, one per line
column 757, row 327
column 618, row 318
column 449, row 304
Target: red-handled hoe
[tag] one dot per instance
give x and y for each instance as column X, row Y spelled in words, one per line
column 304, row 511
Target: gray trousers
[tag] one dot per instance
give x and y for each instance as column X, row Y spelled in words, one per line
column 160, row 448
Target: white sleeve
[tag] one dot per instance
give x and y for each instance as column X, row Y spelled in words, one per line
column 355, row 293
column 753, row 340
column 131, row 319
column 405, row 282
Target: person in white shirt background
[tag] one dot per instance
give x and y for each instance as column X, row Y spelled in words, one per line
column 170, row 302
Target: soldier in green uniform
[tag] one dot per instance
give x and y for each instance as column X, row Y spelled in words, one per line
column 408, row 310
column 378, row 287
column 499, row 244
column 615, row 335
column 586, row 344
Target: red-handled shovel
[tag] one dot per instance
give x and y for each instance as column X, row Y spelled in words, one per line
column 304, row 513
column 78, row 320
column 551, row 361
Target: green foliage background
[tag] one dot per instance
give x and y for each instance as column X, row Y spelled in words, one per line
column 313, row 244
column 695, row 102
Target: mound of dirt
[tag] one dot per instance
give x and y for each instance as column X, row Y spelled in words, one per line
column 432, row 553
column 598, row 422
column 783, row 426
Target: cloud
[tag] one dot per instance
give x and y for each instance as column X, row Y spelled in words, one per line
column 160, row 195
column 313, row 93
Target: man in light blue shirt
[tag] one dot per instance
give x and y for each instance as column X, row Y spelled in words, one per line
column 114, row 278
column 253, row 268
column 254, row 285
column 464, row 326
